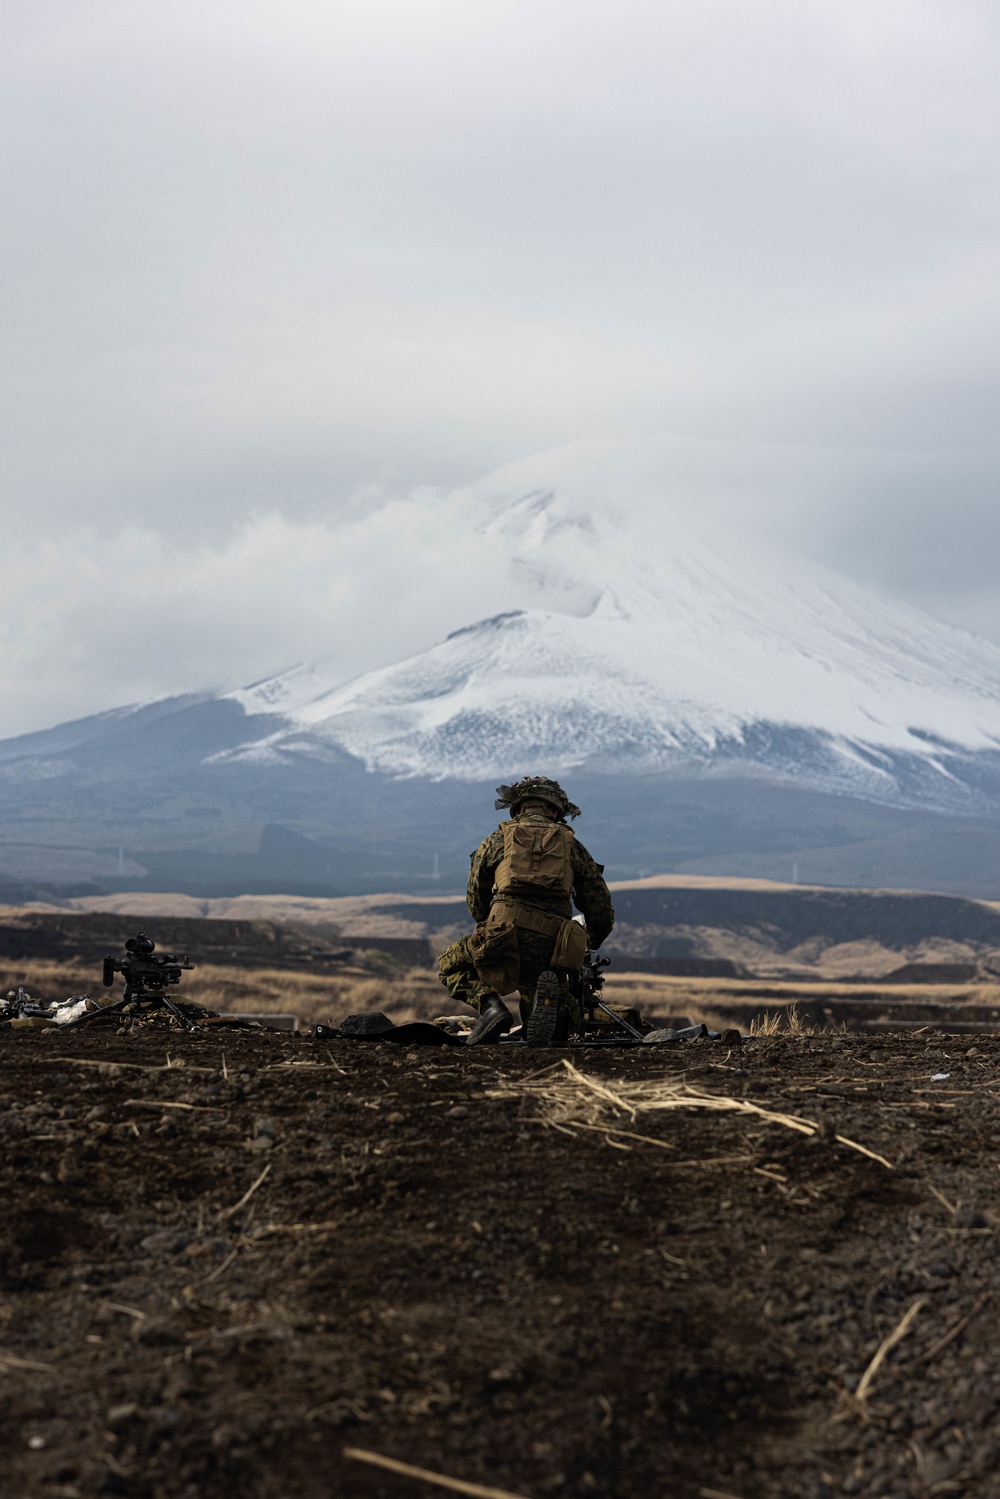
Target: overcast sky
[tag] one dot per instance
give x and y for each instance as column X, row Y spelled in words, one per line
column 261, row 258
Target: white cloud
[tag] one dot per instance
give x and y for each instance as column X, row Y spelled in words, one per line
column 257, row 255
column 91, row 619
column 297, row 240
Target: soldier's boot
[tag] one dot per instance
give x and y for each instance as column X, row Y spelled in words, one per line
column 543, row 1022
column 494, row 1020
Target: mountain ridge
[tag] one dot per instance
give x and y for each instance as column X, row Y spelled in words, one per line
column 671, row 653
column 722, row 708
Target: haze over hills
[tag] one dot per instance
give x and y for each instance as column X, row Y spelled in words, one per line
column 716, row 708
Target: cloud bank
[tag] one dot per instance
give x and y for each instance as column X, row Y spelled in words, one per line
column 93, row 619
column 259, row 253
column 260, row 258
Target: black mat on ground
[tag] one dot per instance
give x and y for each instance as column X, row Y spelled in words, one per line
column 372, row 1025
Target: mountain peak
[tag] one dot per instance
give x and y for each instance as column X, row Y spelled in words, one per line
column 495, row 622
column 643, row 639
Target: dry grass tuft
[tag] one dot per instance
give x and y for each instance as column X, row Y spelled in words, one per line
column 766, row 1025
column 570, row 1099
column 787, row 1022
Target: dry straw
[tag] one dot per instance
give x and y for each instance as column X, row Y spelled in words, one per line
column 886, row 1346
column 11, row 1361
column 426, row 1475
column 570, row 1099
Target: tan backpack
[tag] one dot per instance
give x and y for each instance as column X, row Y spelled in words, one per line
column 536, row 857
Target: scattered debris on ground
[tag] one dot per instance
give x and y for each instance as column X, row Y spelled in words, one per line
column 623, row 1027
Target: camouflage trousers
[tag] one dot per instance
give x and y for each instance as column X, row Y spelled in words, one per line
column 459, row 976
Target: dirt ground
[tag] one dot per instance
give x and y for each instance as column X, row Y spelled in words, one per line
column 226, row 1257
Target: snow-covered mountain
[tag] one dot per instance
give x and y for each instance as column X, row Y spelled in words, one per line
column 701, row 693
column 647, row 645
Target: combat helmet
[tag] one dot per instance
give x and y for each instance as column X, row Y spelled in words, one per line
column 536, row 789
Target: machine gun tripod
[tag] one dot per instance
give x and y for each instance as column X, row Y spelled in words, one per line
column 590, row 984
column 148, row 975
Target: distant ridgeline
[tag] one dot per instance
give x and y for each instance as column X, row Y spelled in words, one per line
column 87, row 937
column 700, row 932
column 720, row 932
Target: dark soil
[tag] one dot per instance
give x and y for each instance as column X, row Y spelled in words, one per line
column 431, row 1274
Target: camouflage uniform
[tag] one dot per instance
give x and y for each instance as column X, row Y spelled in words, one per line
column 590, row 893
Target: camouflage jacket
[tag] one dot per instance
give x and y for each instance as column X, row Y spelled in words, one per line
column 590, row 892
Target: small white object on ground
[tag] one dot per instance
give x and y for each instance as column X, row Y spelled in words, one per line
column 940, row 1077
column 70, row 1009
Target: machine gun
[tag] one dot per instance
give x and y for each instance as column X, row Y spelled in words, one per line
column 19, row 1005
column 148, row 975
column 608, row 1025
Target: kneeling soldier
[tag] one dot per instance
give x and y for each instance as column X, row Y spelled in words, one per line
column 521, row 883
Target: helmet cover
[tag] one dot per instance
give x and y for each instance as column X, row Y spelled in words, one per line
column 535, row 789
